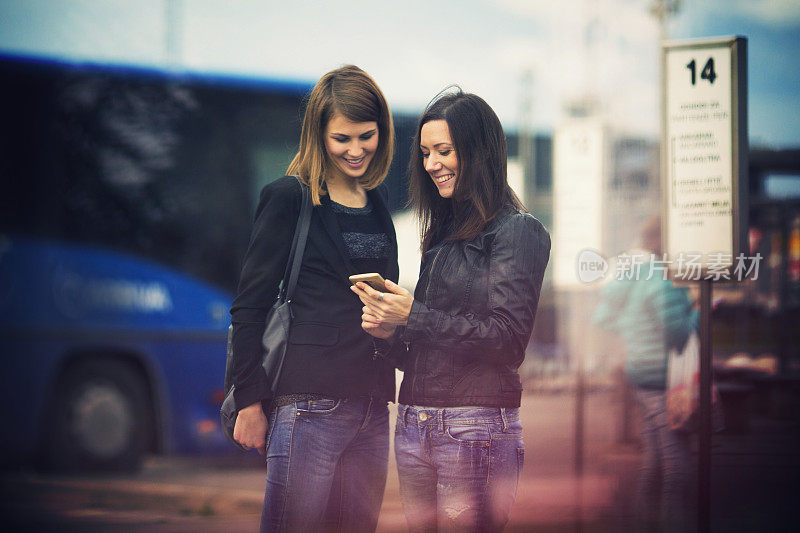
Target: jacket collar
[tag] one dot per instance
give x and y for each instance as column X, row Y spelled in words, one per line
column 385, row 217
column 333, row 247
column 328, row 237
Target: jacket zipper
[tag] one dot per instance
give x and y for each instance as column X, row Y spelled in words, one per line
column 427, row 288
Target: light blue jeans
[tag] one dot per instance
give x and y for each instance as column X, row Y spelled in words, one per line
column 326, row 466
column 458, row 466
column 663, row 484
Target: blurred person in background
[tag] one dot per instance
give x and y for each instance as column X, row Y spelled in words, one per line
column 653, row 316
column 326, row 432
column 461, row 337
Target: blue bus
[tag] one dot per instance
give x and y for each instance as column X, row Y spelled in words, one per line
column 125, row 209
column 126, row 203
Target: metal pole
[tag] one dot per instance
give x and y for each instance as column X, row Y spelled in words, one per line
column 577, row 351
column 579, row 416
column 579, row 438
column 173, row 34
column 704, row 426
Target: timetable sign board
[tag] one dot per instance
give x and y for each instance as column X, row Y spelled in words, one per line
column 579, row 170
column 704, row 150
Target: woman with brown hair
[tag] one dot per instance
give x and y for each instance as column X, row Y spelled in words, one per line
column 462, row 336
column 325, row 431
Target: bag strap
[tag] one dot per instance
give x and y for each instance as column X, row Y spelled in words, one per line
column 298, row 247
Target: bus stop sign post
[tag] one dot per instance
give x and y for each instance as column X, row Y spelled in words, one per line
column 704, row 184
column 704, row 427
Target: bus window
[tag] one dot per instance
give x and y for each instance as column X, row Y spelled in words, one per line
column 126, row 202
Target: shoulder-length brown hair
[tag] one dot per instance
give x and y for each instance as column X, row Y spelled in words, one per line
column 353, row 93
column 481, row 189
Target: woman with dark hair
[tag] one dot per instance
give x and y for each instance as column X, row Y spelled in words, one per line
column 462, row 336
column 327, row 440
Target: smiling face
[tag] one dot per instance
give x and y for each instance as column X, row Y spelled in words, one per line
column 439, row 156
column 350, row 145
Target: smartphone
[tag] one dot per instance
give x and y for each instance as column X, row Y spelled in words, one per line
column 372, row 279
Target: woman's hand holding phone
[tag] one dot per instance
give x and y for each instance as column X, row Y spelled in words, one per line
column 383, row 309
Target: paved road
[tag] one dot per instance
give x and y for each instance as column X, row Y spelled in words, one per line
column 201, row 495
column 191, row 494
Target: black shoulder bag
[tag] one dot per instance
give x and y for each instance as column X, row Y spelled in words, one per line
column 278, row 323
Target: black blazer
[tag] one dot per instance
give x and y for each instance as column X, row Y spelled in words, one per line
column 328, row 353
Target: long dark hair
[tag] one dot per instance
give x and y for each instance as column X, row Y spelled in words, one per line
column 481, row 189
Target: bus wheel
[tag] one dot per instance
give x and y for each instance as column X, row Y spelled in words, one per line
column 99, row 418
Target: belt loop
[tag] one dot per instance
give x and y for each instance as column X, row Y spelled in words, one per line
column 401, row 411
column 440, row 420
column 505, row 420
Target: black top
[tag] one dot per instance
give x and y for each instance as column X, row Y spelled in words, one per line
column 328, row 352
column 366, row 242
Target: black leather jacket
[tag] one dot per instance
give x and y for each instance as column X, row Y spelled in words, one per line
column 472, row 316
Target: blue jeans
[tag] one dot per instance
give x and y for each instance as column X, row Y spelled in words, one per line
column 458, row 466
column 663, row 484
column 326, row 465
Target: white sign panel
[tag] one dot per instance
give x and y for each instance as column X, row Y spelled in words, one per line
column 578, row 173
column 701, row 150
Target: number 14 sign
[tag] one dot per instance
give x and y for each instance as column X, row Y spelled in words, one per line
column 704, row 147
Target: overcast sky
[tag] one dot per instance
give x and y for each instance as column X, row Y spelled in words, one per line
column 603, row 48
